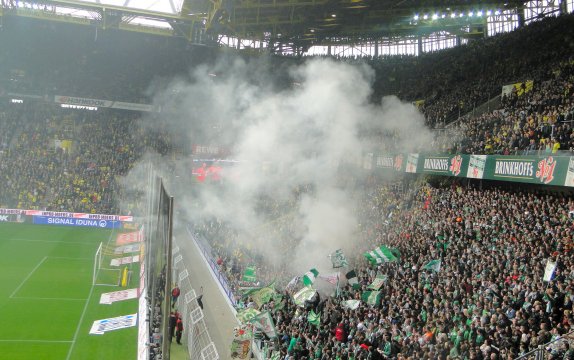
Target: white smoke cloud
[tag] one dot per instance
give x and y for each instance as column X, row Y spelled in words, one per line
column 305, row 131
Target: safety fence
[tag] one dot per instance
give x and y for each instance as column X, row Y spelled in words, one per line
column 197, row 338
column 206, row 250
column 550, row 350
column 259, row 350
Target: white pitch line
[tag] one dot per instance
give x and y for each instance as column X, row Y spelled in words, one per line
column 38, row 341
column 27, row 277
column 68, row 258
column 83, row 313
column 53, row 241
column 47, row 298
column 80, row 323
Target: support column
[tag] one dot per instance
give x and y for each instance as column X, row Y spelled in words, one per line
column 420, row 44
column 563, row 7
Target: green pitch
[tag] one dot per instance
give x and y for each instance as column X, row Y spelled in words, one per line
column 47, row 301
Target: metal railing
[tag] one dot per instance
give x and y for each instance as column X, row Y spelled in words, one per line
column 543, row 351
column 197, row 338
column 206, row 250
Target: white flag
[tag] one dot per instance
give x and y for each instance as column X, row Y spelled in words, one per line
column 549, row 270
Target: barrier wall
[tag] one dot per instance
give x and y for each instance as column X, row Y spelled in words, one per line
column 205, row 249
column 556, row 170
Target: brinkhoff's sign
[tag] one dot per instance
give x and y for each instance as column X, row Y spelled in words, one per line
column 82, row 101
column 514, row 168
column 99, row 103
column 103, row 224
column 436, row 164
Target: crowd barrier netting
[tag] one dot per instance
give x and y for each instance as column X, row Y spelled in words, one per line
column 197, row 338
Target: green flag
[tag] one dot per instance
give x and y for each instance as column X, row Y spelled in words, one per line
column 380, row 255
column 352, row 279
column 433, row 265
column 250, row 274
column 243, row 332
column 309, row 277
column 278, row 300
column 303, row 295
column 247, row 291
column 245, row 315
column 263, row 295
column 351, row 304
column 264, row 323
column 378, row 282
column 314, row 319
column 372, row 297
column 338, row 259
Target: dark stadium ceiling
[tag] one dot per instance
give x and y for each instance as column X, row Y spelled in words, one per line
column 320, row 21
column 297, row 23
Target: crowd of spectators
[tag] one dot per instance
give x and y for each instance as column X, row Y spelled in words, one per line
column 487, row 301
column 64, row 160
column 538, row 121
column 454, row 81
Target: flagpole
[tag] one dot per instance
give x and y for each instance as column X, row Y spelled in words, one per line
column 252, row 342
column 337, row 290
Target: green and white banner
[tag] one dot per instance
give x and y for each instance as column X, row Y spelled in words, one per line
column 250, row 274
column 303, row 295
column 313, row 318
column 246, row 315
column 352, row 279
column 378, row 282
column 547, row 169
column 380, row 255
column 433, row 265
column 264, row 323
column 338, row 259
column 372, row 297
column 309, row 277
column 351, row 304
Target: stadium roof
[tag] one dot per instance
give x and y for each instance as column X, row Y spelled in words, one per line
column 297, row 23
column 165, row 6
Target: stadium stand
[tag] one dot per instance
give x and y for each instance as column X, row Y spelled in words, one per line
column 488, row 301
column 63, row 160
column 454, row 81
column 536, row 122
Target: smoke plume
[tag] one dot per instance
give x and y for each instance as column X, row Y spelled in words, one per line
column 290, row 127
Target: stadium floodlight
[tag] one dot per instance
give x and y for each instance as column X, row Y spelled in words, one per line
column 470, row 13
column 435, row 16
column 452, row 15
column 479, row 13
column 416, row 17
column 425, row 16
column 443, row 16
column 497, row 12
column 461, row 15
column 488, row 13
